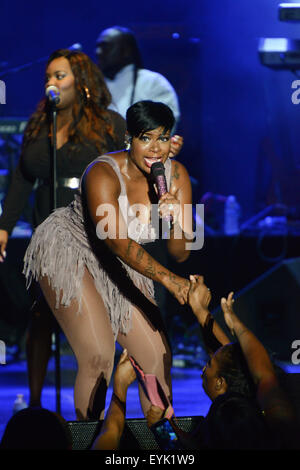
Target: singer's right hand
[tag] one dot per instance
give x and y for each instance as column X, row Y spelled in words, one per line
column 178, row 286
column 169, row 206
column 3, row 243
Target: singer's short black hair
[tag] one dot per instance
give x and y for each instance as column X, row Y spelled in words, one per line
column 147, row 115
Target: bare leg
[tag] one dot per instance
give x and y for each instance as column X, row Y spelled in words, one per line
column 90, row 336
column 38, row 349
column 149, row 348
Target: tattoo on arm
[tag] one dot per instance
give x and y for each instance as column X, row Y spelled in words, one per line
column 180, row 284
column 139, row 255
column 128, row 248
column 150, row 271
column 175, row 174
column 162, row 273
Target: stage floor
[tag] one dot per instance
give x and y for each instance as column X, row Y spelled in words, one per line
column 189, row 397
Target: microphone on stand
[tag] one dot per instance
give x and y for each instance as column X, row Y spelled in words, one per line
column 52, row 94
column 158, row 174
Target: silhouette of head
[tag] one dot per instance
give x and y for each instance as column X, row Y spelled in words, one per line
column 117, row 47
column 36, row 428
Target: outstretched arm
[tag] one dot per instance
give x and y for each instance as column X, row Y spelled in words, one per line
column 102, row 190
column 199, row 298
column 258, row 359
column 270, row 396
column 113, row 425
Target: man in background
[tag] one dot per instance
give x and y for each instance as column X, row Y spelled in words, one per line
column 120, row 60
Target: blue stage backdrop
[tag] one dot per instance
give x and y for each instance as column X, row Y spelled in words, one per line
column 239, row 123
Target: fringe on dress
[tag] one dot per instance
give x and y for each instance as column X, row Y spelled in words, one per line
column 60, row 249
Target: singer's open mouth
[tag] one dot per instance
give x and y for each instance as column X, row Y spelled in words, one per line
column 150, row 160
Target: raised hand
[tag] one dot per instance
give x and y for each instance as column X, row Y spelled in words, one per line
column 199, row 295
column 124, row 375
column 227, row 307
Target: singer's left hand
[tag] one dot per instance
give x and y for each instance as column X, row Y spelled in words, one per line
column 169, row 205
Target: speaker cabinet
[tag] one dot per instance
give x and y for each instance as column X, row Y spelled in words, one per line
column 270, row 308
column 136, row 435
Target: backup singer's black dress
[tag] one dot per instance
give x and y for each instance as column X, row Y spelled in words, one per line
column 34, row 168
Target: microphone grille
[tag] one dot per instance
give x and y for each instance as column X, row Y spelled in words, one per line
column 51, row 88
column 157, row 169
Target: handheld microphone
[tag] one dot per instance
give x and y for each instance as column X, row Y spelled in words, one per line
column 52, row 94
column 158, row 174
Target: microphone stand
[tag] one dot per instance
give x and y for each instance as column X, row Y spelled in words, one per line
column 19, row 68
column 53, row 188
column 41, row 60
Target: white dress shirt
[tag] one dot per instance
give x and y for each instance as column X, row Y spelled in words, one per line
column 149, row 86
column 2, row 92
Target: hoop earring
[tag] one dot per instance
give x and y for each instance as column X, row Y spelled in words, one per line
column 87, row 93
column 128, row 142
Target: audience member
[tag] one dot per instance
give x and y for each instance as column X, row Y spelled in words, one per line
column 237, row 417
column 113, row 425
column 36, row 428
column 278, row 411
column 86, row 128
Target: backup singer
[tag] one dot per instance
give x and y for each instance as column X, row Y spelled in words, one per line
column 86, row 128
